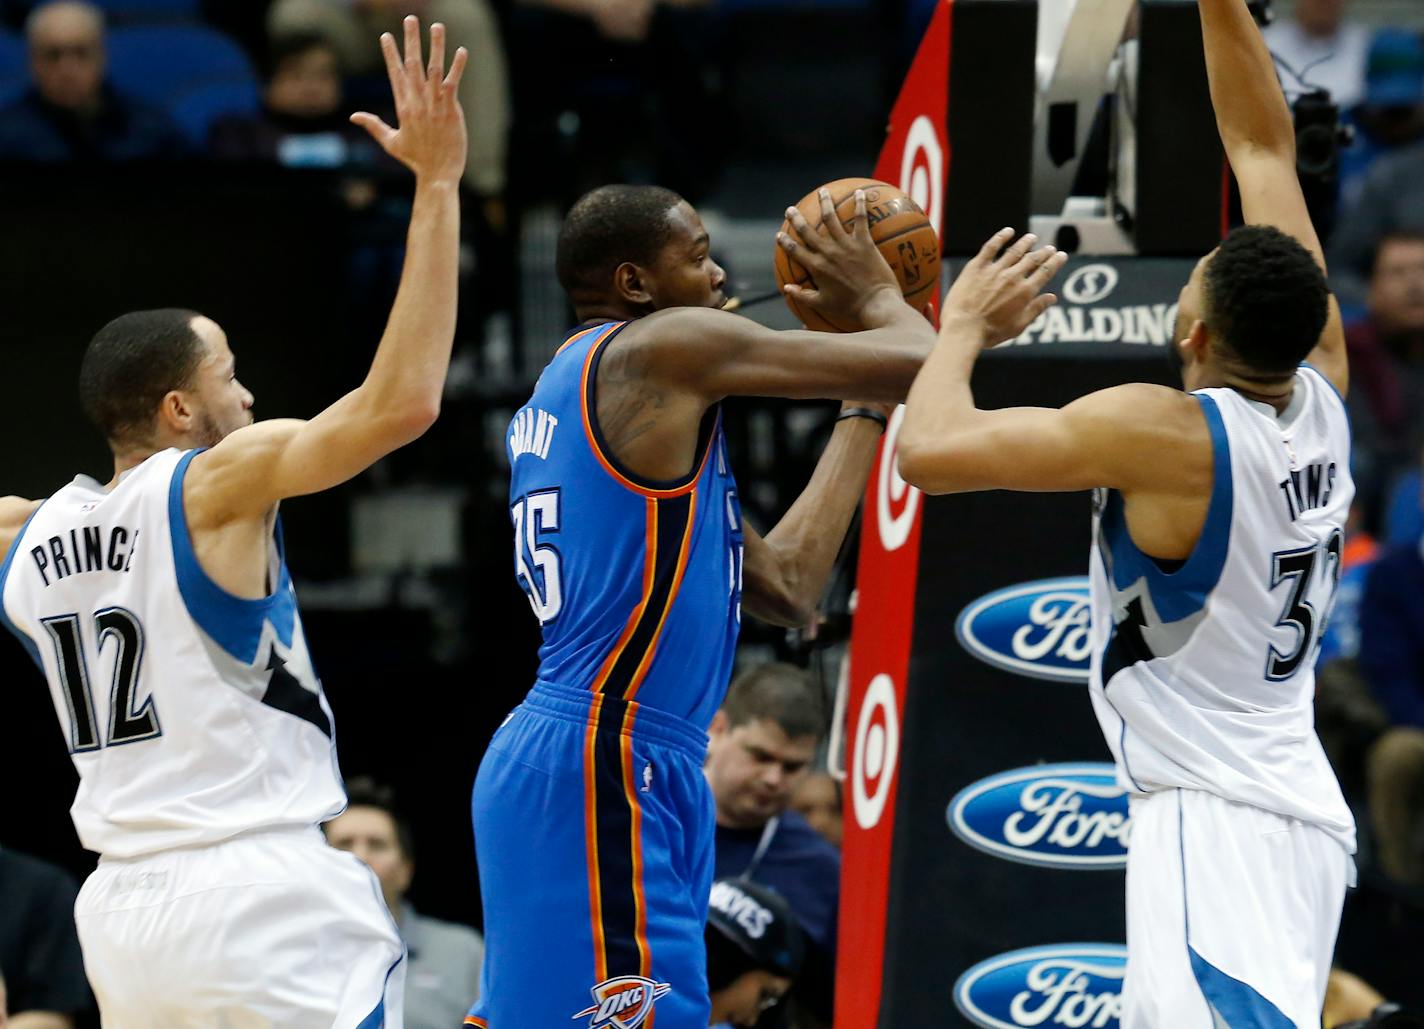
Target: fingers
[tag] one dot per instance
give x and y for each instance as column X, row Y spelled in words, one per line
column 1015, row 253
column 995, row 243
column 803, row 255
column 1047, row 267
column 379, row 130
column 435, row 68
column 457, row 70
column 1036, row 307
column 829, row 221
column 394, row 71
column 860, row 221
column 810, row 297
column 413, row 61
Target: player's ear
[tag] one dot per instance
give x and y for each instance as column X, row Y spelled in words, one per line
column 719, row 724
column 1194, row 347
column 174, row 411
column 628, row 281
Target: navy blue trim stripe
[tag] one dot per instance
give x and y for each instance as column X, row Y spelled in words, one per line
column 1238, row 1004
column 234, row 623
column 674, row 516
column 377, row 1018
column 29, row 644
column 705, row 433
column 615, row 845
column 1181, row 593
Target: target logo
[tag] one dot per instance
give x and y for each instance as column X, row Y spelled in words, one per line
column 1090, row 283
column 922, row 169
column 877, row 751
column 892, row 492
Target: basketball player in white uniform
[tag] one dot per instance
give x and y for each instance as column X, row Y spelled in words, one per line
column 1218, row 519
column 160, row 609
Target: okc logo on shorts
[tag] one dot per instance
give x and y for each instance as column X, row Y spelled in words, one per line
column 622, row 1003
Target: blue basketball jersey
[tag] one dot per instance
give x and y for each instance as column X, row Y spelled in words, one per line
column 636, row 583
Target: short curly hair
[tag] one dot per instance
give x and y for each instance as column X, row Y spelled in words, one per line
column 1266, row 299
column 608, row 226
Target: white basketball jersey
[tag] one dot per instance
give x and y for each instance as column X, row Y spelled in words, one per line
column 1203, row 676
column 192, row 715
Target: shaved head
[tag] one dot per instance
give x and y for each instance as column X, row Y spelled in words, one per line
column 64, row 17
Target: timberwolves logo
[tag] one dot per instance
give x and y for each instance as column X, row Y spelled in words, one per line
column 1076, row 984
column 1059, row 816
column 622, row 1003
column 1041, row 629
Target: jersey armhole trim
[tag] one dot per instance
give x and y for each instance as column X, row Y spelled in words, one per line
column 234, row 623
column 654, row 488
column 30, row 646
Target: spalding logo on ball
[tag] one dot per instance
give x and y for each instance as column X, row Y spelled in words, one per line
column 901, row 231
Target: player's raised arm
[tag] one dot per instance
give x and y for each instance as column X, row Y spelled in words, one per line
column 1258, row 134
column 709, row 354
column 257, row 466
column 948, row 445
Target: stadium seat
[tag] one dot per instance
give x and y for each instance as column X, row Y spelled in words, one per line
column 162, row 63
column 196, row 110
column 14, row 71
column 124, row 11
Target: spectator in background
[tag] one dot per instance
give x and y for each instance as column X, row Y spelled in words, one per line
column 444, row 971
column 1323, row 48
column 352, row 27
column 616, row 91
column 1387, row 367
column 760, row 747
column 755, row 948
column 1392, row 659
column 1391, row 116
column 40, row 961
column 1390, row 203
column 70, row 114
column 817, row 798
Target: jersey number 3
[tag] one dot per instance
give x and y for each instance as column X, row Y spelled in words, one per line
column 1298, row 568
column 536, row 559
column 125, row 724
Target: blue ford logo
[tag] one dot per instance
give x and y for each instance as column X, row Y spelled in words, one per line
column 1061, row 816
column 1065, row 984
column 1042, row 629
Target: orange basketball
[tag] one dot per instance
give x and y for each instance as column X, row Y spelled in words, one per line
column 903, row 232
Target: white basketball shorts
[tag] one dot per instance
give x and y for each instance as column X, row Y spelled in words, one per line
column 263, row 930
column 1231, row 915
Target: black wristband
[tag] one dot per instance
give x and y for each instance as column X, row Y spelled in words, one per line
column 864, row 412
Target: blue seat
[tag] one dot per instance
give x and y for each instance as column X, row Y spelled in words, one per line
column 196, row 110
column 130, row 10
column 161, row 63
column 14, row 67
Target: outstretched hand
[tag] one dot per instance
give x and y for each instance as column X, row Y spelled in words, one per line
column 1004, row 290
column 430, row 137
column 844, row 263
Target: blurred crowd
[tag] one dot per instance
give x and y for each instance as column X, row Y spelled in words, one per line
column 551, row 82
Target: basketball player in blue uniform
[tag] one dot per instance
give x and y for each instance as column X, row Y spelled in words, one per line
column 1219, row 517
column 593, row 822
column 161, row 611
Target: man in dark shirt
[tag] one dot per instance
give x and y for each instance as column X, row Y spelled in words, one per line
column 39, row 947
column 70, row 114
column 761, row 745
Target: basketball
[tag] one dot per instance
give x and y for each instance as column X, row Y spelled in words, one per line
column 902, row 231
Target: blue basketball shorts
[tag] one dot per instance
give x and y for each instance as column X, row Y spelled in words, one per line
column 594, row 832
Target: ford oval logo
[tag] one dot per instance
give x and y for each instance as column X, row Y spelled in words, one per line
column 1042, row 629
column 1060, row 816
column 1065, row 984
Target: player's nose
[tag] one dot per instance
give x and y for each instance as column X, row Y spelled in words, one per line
column 719, row 276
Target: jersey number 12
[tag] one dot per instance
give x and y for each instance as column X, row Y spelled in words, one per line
column 125, row 724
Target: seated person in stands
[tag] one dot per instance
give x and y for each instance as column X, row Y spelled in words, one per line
column 755, row 948
column 303, row 123
column 70, row 114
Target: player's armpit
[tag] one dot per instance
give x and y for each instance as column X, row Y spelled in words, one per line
column 266, row 462
column 1135, row 437
column 767, row 592
column 713, row 354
